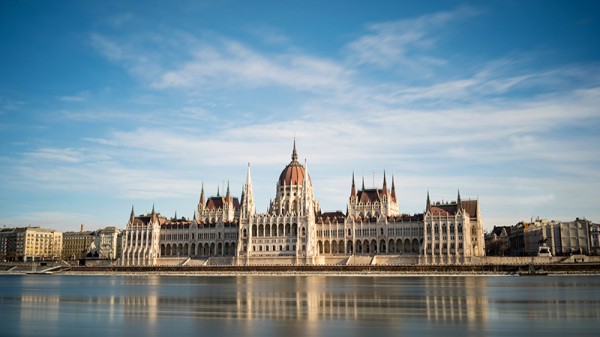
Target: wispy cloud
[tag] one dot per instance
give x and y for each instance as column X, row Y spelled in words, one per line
column 67, row 155
column 400, row 43
column 232, row 63
column 79, row 97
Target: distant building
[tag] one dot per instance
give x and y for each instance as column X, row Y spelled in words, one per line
column 76, row 245
column 595, row 239
column 107, row 243
column 294, row 230
column 8, row 244
column 30, row 244
column 561, row 237
column 497, row 242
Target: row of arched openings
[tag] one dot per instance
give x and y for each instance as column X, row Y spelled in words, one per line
column 275, row 230
column 206, row 249
column 398, row 246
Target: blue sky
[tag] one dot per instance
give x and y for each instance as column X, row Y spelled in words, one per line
column 105, row 105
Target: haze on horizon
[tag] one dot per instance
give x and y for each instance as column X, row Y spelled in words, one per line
column 105, row 105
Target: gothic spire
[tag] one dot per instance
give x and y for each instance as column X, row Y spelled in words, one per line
column 202, row 195
column 384, row 183
column 353, row 191
column 218, row 193
column 363, row 183
column 294, row 153
column 393, row 188
column 227, row 194
column 428, row 207
column 132, row 215
column 458, row 201
column 248, row 207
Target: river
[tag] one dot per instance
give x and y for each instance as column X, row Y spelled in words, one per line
column 69, row 305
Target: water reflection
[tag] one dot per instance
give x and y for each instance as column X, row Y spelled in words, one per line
column 311, row 305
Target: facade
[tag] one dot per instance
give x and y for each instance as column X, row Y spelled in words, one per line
column 559, row 238
column 140, row 242
column 497, row 242
column 30, row 244
column 107, row 244
column 294, row 230
column 8, row 244
column 595, row 239
column 76, row 245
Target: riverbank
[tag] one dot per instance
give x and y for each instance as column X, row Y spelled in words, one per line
column 334, row 270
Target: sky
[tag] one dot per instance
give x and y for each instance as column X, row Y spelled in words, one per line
column 105, row 105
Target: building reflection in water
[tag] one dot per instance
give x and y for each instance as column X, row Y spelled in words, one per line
column 306, row 305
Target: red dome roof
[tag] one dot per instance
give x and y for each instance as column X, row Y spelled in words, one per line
column 293, row 174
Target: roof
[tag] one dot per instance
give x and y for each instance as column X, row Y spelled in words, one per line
column 449, row 209
column 219, row 202
column 370, row 195
column 337, row 216
column 294, row 172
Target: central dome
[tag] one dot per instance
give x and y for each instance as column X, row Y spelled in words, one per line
column 293, row 174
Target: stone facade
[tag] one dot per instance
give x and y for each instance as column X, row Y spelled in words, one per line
column 30, row 244
column 294, row 230
column 76, row 245
column 140, row 242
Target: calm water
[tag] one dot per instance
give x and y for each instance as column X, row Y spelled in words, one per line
column 39, row 305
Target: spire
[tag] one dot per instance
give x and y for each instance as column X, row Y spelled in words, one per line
column 228, row 195
column 248, row 207
column 428, row 207
column 363, row 183
column 248, row 180
column 294, row 154
column 152, row 209
column 458, row 201
column 305, row 203
column 384, row 183
column 353, row 191
column 175, row 215
column 218, row 194
column 202, row 195
column 132, row 215
column 393, row 189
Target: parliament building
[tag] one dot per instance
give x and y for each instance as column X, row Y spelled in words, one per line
column 226, row 230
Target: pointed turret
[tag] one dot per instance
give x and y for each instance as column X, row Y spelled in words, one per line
column 218, row 193
column 458, row 201
column 132, row 215
column 227, row 194
column 385, row 190
column 393, row 189
column 363, row 183
column 294, row 153
column 353, row 191
column 248, row 207
column 428, row 207
column 202, row 201
column 152, row 209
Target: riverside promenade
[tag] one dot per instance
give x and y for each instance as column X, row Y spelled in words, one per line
column 552, row 269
